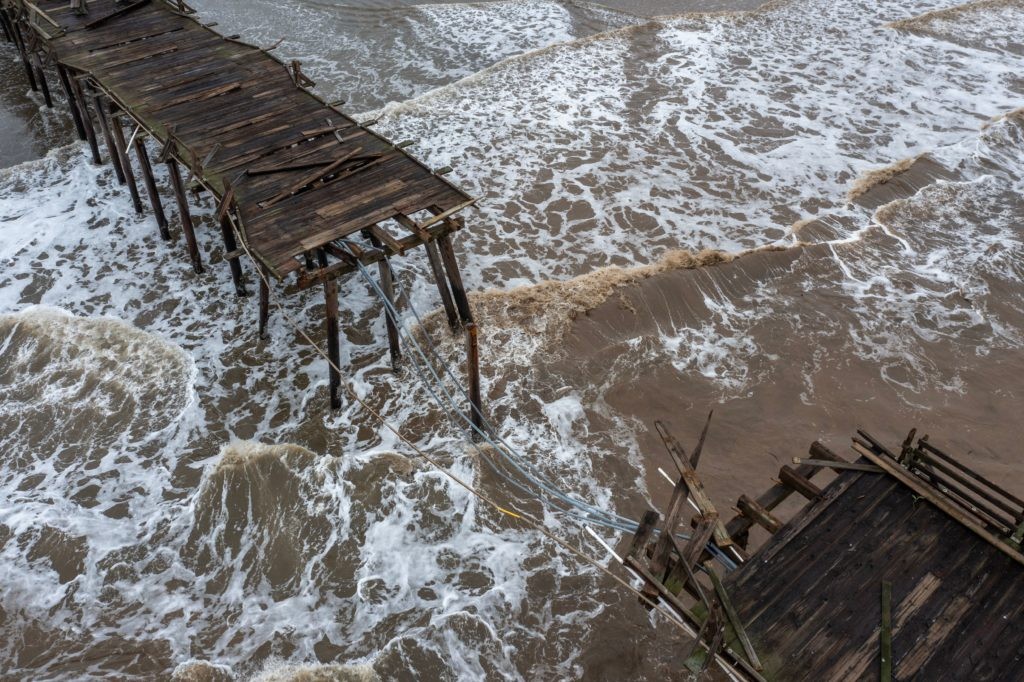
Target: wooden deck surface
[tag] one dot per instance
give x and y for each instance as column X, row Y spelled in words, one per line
column 810, row 598
column 236, row 117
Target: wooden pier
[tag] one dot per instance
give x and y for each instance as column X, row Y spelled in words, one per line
column 906, row 566
column 301, row 188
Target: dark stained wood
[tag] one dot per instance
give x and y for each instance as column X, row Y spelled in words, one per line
column 230, row 245
column 146, row 168
column 808, row 599
column 114, row 122
column 333, row 340
column 451, row 265
column 291, row 174
column 184, row 216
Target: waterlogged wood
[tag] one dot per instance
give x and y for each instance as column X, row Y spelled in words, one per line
column 695, row 457
column 264, row 303
column 290, row 173
column 792, row 479
column 690, row 619
column 801, row 596
column 476, row 404
column 333, row 331
column 146, row 168
column 940, row 502
column 734, row 619
column 838, row 466
column 643, row 533
column 739, row 525
column 122, row 153
column 885, row 637
column 184, row 216
column 758, row 514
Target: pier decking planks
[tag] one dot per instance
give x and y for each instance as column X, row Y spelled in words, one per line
column 242, row 125
column 234, row 105
column 810, row 597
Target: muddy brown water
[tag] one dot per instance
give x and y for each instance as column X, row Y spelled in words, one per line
column 671, row 223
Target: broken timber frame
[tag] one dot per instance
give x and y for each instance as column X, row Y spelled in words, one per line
column 304, row 190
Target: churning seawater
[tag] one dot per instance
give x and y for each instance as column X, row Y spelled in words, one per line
column 675, row 214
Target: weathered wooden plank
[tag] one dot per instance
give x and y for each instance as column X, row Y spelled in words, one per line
column 936, row 498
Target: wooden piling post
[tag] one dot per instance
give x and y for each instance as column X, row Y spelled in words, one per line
column 387, row 281
column 44, row 86
column 108, row 135
column 76, row 115
column 230, row 247
column 442, row 285
column 90, row 131
column 333, row 340
column 183, row 213
column 147, row 177
column 264, row 301
column 8, row 36
column 476, row 406
column 387, row 285
column 122, row 154
column 19, row 40
column 444, row 243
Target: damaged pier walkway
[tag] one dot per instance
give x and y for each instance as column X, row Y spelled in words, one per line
column 307, row 190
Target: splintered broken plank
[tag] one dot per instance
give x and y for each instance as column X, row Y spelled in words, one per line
column 828, row 464
column 734, row 619
column 693, row 484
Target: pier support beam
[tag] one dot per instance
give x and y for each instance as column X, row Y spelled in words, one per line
column 442, row 285
column 6, row 27
column 90, row 131
column 122, row 154
column 147, row 177
column 183, row 214
column 333, row 340
column 108, row 135
column 43, row 85
column 476, row 406
column 19, row 40
column 444, row 243
column 387, row 285
column 76, row 115
column 230, row 247
column 264, row 301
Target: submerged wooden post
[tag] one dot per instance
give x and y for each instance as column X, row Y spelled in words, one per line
column 476, row 406
column 76, row 115
column 264, row 301
column 333, row 341
column 230, row 249
column 444, row 243
column 19, row 40
column 44, row 86
column 387, row 282
column 90, row 131
column 387, row 285
column 442, row 285
column 183, row 213
column 108, row 135
column 126, row 164
column 8, row 36
column 147, row 177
